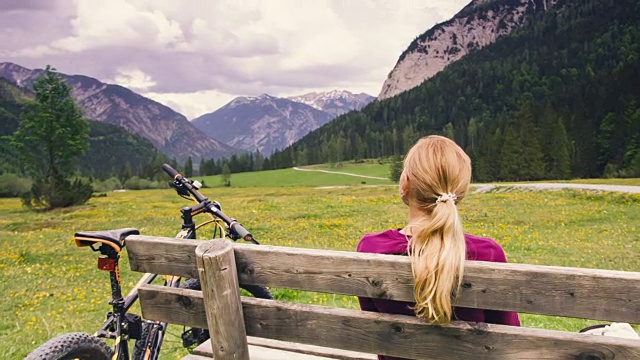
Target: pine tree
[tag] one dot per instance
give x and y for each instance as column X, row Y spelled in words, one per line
column 51, row 136
column 510, row 156
column 557, row 160
column 127, row 172
column 531, row 161
column 449, row 131
column 188, row 167
column 226, row 175
column 396, row 168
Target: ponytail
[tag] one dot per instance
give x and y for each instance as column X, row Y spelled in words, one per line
column 437, row 251
column 437, row 173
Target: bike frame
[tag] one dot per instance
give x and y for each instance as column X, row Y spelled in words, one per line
column 122, row 325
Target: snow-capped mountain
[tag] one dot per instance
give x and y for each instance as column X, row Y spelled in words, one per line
column 263, row 123
column 168, row 130
column 477, row 25
column 336, row 102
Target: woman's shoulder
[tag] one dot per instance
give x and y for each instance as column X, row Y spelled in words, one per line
column 484, row 249
column 386, row 242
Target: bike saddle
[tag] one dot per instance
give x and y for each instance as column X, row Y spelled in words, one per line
column 113, row 238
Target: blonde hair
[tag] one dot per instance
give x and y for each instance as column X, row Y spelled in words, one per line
column 438, row 172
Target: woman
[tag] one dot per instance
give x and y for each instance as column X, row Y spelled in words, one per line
column 435, row 178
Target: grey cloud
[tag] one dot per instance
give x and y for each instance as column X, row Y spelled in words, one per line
column 15, row 5
column 21, row 29
column 218, row 67
column 187, row 72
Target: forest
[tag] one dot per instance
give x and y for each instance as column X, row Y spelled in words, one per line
column 557, row 99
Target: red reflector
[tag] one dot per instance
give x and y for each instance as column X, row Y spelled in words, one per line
column 106, row 264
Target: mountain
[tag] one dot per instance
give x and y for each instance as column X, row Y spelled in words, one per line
column 557, row 98
column 336, row 102
column 168, row 130
column 110, row 147
column 479, row 24
column 263, row 123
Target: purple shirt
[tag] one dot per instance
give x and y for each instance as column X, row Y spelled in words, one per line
column 395, row 243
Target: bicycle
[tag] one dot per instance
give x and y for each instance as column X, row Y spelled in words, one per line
column 121, row 325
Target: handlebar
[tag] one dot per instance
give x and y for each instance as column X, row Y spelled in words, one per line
column 169, row 170
column 234, row 226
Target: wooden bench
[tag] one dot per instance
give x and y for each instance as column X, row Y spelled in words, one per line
column 609, row 296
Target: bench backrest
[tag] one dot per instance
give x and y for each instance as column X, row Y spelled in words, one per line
column 583, row 293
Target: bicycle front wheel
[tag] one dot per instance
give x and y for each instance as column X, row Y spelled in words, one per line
column 69, row 346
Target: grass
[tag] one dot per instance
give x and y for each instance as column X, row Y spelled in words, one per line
column 50, row 287
column 371, row 167
column 367, row 168
column 289, row 178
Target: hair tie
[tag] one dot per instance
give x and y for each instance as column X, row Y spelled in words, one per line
column 446, row 197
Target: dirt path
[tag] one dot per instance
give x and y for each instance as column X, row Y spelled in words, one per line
column 481, row 188
column 341, row 173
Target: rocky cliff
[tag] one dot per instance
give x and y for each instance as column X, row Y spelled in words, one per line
column 477, row 25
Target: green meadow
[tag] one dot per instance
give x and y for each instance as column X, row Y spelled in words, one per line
column 297, row 178
column 49, row 286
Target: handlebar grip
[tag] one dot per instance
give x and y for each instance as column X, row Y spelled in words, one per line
column 241, row 231
column 169, row 170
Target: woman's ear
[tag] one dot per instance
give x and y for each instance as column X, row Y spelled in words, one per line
column 404, row 188
column 404, row 182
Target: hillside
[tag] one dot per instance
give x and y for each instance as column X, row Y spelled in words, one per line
column 166, row 129
column 556, row 99
column 110, row 146
column 11, row 105
column 477, row 25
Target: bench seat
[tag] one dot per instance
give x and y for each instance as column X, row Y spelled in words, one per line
column 268, row 348
column 234, row 321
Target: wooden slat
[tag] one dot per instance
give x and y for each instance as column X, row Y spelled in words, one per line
column 175, row 306
column 159, row 255
column 394, row 335
column 583, row 293
column 204, row 349
column 310, row 349
column 196, row 357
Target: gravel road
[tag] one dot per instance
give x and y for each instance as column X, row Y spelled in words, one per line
column 481, row 188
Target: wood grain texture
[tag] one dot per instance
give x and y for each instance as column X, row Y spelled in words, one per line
column 204, row 349
column 573, row 292
column 397, row 335
column 160, row 255
column 173, row 305
column 196, row 357
column 221, row 293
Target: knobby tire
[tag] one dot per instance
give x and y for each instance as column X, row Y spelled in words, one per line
column 72, row 346
column 140, row 346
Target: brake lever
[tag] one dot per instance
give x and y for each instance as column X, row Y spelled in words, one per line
column 181, row 190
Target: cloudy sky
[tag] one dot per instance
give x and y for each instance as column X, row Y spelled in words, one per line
column 196, row 55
